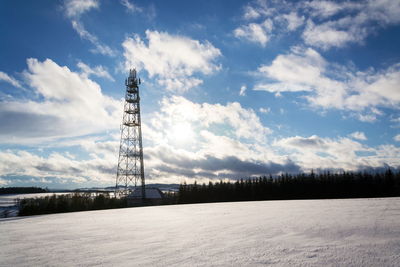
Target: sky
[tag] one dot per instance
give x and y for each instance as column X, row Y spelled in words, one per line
column 230, row 89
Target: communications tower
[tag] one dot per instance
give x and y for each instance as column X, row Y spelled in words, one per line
column 130, row 170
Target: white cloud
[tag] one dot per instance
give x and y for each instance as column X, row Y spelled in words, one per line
column 329, row 23
column 98, row 71
column 244, row 123
column 265, row 110
column 330, row 85
column 172, row 59
column 57, row 168
column 84, row 34
column 358, row 135
column 385, row 12
column 354, row 23
column 131, row 7
column 293, row 20
column 243, row 90
column 5, row 77
column 254, row 32
column 75, row 8
column 298, row 67
column 149, row 12
column 208, row 141
column 325, row 9
column 251, row 13
column 329, row 35
column 299, row 71
column 222, row 141
column 397, row 138
column 315, row 152
column 71, row 105
column 256, row 10
column 366, row 117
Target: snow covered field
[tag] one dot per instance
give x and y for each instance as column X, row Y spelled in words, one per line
column 350, row 232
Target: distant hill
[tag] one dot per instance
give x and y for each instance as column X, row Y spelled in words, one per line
column 21, row 190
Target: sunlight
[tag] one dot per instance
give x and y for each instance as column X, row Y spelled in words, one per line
column 182, row 132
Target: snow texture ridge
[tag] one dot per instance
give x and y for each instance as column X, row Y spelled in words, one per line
column 344, row 232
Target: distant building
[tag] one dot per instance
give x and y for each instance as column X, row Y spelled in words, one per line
column 152, row 196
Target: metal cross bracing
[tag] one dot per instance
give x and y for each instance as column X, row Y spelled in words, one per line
column 130, row 170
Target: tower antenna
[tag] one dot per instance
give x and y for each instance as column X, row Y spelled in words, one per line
column 130, row 170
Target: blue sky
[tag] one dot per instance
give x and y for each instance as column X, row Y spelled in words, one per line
column 231, row 89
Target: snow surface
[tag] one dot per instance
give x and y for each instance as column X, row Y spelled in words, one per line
column 345, row 232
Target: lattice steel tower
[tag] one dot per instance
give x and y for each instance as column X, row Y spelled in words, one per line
column 130, row 160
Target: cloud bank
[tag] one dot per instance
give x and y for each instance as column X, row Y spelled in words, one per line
column 68, row 105
column 323, row 24
column 171, row 59
column 331, row 86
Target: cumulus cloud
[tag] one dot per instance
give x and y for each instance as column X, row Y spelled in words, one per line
column 293, row 72
column 218, row 142
column 254, row 32
column 68, row 105
column 325, row 9
column 358, row 135
column 293, row 20
column 173, row 60
column 171, row 165
column 384, row 12
column 243, row 122
column 329, row 23
column 185, row 139
column 312, row 142
column 257, row 9
column 354, row 22
column 57, row 168
column 397, row 138
column 219, row 156
column 329, row 85
column 228, row 167
column 7, row 78
column 329, row 34
column 267, row 18
column 340, row 153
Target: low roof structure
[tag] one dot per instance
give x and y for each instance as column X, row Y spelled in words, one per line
column 151, row 193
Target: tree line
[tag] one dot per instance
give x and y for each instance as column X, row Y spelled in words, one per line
column 82, row 201
column 300, row 186
column 286, row 186
column 21, row 190
column 68, row 203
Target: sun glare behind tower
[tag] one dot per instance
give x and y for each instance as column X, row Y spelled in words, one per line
column 130, row 170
